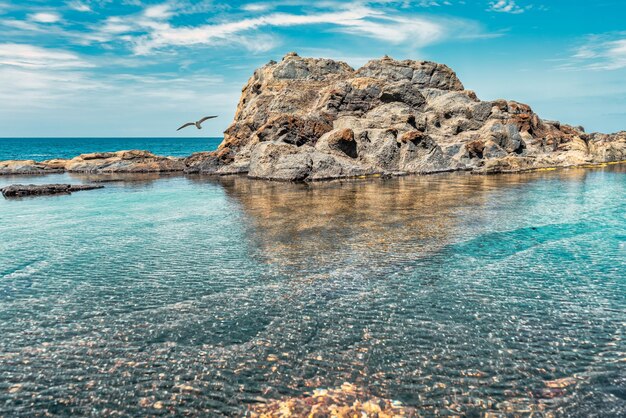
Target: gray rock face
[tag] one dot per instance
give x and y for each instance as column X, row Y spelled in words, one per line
column 22, row 190
column 305, row 119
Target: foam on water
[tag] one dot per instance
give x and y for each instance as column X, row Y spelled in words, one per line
column 452, row 294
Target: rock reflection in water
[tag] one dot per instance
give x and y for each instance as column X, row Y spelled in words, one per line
column 343, row 226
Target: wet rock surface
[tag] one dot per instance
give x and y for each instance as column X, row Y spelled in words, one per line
column 23, row 190
column 309, row 119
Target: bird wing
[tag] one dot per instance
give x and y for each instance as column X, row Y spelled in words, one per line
column 205, row 118
column 185, row 125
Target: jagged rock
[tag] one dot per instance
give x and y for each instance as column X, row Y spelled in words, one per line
column 306, row 119
column 22, row 190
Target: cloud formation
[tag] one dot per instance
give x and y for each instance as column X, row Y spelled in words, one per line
column 505, row 6
column 600, row 52
column 152, row 29
column 45, row 17
column 31, row 56
column 79, row 6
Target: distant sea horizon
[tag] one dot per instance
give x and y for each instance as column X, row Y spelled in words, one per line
column 45, row 148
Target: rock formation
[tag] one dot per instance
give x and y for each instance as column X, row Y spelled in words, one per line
column 21, row 190
column 99, row 162
column 305, row 119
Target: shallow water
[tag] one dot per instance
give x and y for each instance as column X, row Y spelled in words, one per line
column 40, row 149
column 455, row 294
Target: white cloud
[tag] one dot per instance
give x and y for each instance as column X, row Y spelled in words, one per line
column 79, row 6
column 4, row 7
column 45, row 17
column 600, row 52
column 84, row 102
column 158, row 12
column 505, row 6
column 256, row 7
column 357, row 20
column 30, row 56
column 433, row 3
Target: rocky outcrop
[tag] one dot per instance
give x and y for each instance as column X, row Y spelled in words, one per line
column 22, row 190
column 306, row 119
column 134, row 161
column 123, row 162
column 26, row 167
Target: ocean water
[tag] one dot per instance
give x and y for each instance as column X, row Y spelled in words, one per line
column 40, row 149
column 453, row 294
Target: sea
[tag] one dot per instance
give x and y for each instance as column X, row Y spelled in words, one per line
column 452, row 294
column 40, row 149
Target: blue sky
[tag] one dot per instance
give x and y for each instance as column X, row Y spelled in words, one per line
column 140, row 68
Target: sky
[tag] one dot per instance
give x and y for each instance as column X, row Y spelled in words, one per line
column 135, row 68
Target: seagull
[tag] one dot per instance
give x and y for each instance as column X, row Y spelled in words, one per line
column 197, row 124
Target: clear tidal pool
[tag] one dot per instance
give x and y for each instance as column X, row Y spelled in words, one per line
column 453, row 294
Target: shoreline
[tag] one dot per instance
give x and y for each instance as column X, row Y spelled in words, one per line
column 130, row 162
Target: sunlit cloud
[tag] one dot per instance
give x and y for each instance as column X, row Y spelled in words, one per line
column 358, row 21
column 45, row 17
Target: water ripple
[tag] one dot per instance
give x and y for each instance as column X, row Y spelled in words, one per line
column 445, row 295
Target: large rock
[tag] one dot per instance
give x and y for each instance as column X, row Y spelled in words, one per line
column 309, row 119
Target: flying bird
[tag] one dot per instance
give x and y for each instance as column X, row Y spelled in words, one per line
column 196, row 124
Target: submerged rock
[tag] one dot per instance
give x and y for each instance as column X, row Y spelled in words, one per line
column 22, row 190
column 343, row 402
column 306, row 119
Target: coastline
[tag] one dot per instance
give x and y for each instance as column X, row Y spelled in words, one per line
column 143, row 162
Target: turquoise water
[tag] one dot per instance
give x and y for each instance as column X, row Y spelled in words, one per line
column 40, row 149
column 456, row 294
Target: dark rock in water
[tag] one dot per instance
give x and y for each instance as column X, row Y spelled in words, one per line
column 305, row 119
column 21, row 190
